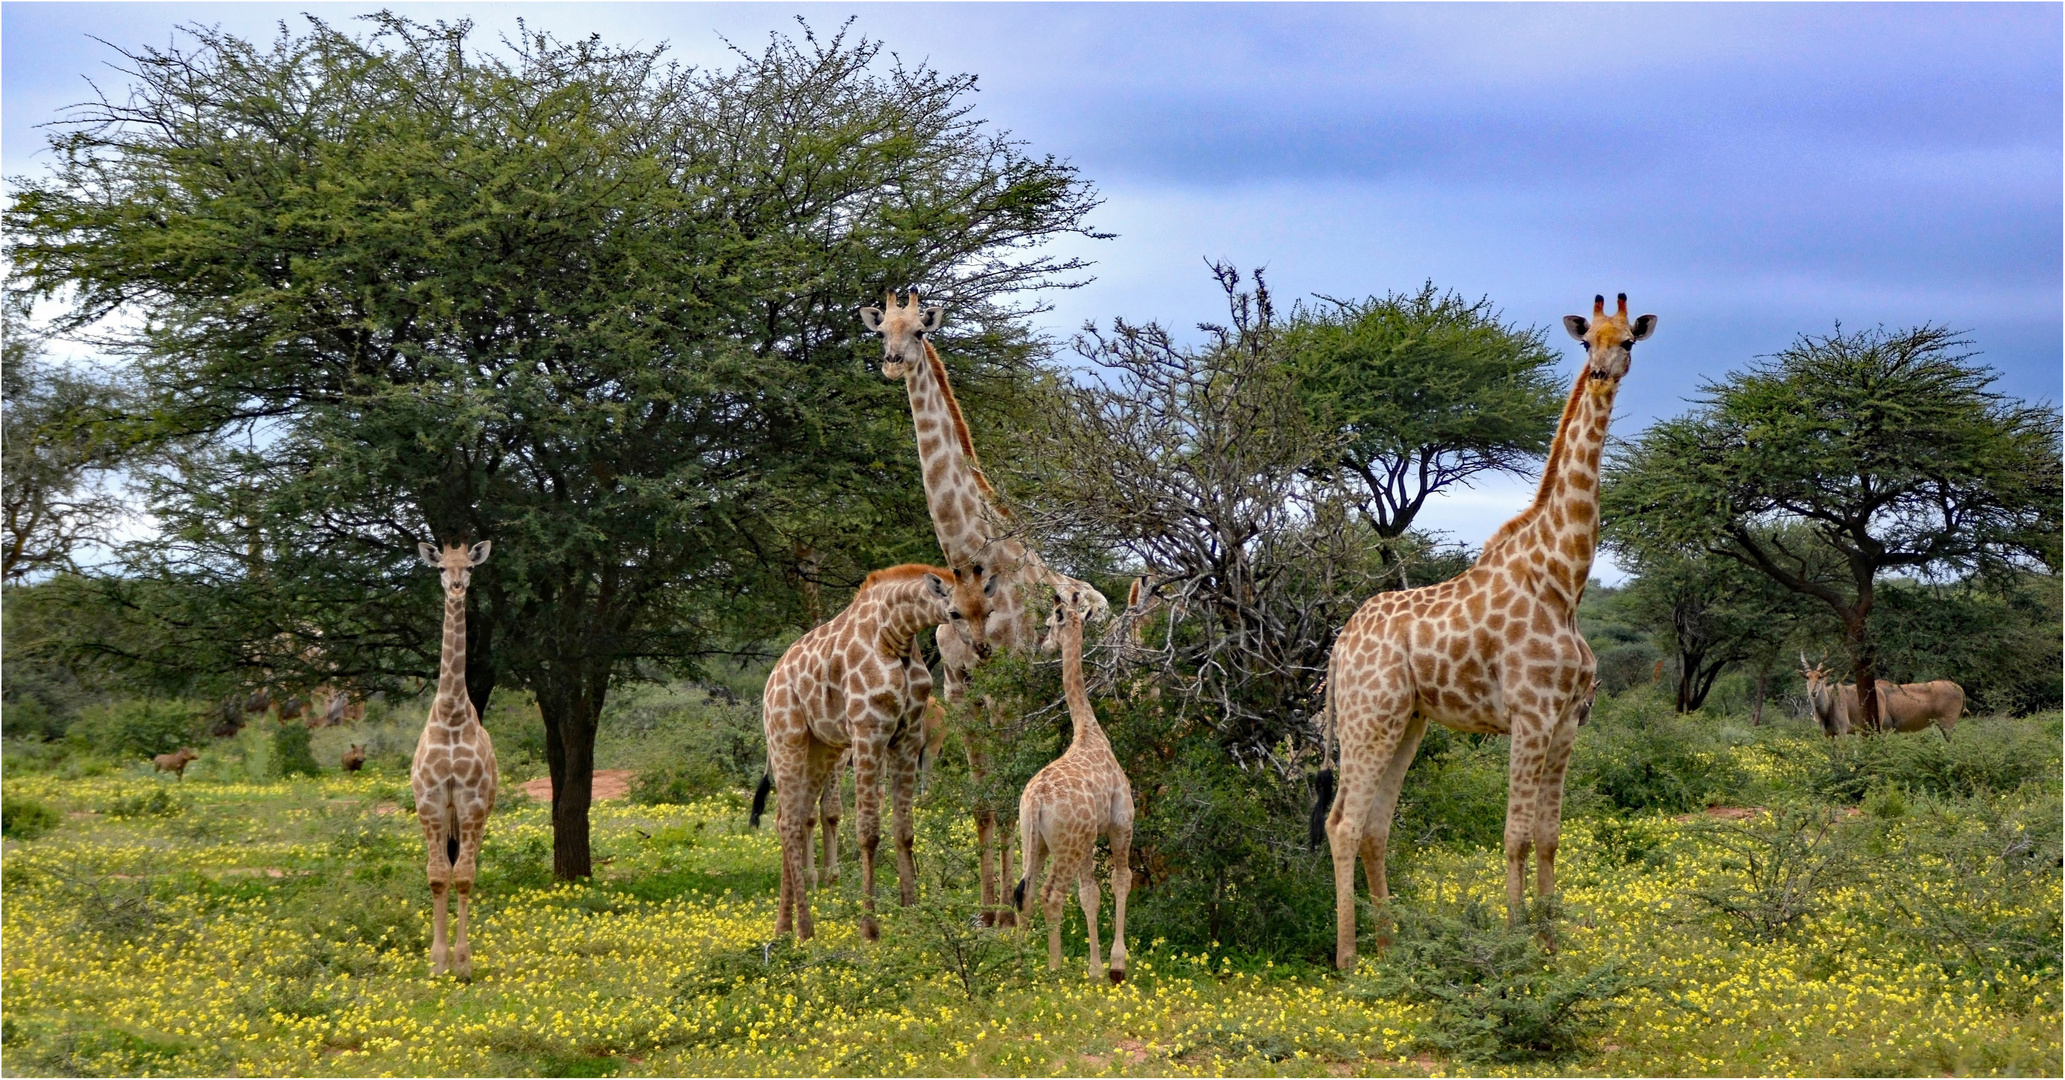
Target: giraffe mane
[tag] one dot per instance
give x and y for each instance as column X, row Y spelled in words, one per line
column 953, row 408
column 1551, row 474
column 906, row 572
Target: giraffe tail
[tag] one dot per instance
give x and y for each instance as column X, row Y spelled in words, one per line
column 1323, row 784
column 760, row 798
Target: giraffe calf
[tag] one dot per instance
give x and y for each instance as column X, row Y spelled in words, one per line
column 1077, row 796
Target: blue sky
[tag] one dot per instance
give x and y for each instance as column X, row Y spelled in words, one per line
column 1747, row 172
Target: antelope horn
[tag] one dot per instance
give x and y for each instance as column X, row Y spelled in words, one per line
column 1624, row 305
column 1598, row 307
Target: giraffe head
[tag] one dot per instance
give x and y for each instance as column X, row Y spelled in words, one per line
column 1070, row 606
column 903, row 326
column 965, row 605
column 455, row 564
column 1609, row 339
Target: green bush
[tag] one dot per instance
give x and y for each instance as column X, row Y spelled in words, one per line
column 683, row 741
column 1989, row 754
column 25, row 819
column 1455, row 792
column 1495, row 992
column 1637, row 755
column 159, row 803
column 138, row 727
column 1785, row 865
column 291, row 753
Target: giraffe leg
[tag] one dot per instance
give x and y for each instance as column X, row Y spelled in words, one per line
column 1548, row 817
column 437, row 867
column 829, row 807
column 1121, row 884
column 1530, row 749
column 470, row 835
column 869, row 749
column 799, row 773
column 1054, row 901
column 985, row 845
column 1372, row 717
column 1028, row 888
column 1376, row 838
column 903, row 790
column 1086, row 894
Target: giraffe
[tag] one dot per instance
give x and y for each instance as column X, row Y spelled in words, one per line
column 453, row 774
column 830, row 806
column 1066, row 805
column 859, row 681
column 1494, row 650
column 972, row 528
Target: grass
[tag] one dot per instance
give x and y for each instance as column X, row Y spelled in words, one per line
column 223, row 926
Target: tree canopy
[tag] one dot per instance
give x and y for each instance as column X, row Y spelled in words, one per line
column 1424, row 390
column 1883, row 450
column 564, row 296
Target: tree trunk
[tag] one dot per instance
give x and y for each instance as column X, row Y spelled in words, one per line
column 1757, row 699
column 571, row 707
column 480, row 660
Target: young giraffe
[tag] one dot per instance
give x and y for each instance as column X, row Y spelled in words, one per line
column 453, row 774
column 972, row 529
column 1494, row 650
column 858, row 681
column 1066, row 805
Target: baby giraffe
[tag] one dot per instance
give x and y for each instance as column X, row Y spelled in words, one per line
column 1082, row 793
column 453, row 774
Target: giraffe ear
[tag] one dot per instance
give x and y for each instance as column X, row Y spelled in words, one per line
column 932, row 317
column 429, row 556
column 871, row 317
column 935, row 585
column 1645, row 325
column 989, row 588
column 1576, row 325
column 479, row 554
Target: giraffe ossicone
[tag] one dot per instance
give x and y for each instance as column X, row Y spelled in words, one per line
column 453, row 774
column 1496, row 649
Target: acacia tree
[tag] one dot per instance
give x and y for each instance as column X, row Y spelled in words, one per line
column 1885, row 447
column 1714, row 612
column 564, row 296
column 1425, row 391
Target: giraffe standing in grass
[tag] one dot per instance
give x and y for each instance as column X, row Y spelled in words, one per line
column 973, row 530
column 858, row 681
column 1078, row 796
column 453, row 774
column 1494, row 650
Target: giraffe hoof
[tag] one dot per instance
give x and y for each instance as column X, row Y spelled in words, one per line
column 869, row 929
column 1118, row 975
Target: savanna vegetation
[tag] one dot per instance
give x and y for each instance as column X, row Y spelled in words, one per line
column 402, row 285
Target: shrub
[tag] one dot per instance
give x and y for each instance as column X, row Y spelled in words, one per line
column 291, row 753
column 25, row 819
column 1640, row 756
column 1455, row 792
column 2002, row 756
column 684, row 741
column 1495, row 992
column 1790, row 862
column 159, row 803
column 138, row 727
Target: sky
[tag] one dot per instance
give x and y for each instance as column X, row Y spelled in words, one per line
column 1747, row 172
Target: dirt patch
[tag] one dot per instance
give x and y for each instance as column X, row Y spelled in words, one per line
column 609, row 784
column 387, row 808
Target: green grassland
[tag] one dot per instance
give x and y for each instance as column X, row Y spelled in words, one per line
column 1880, row 907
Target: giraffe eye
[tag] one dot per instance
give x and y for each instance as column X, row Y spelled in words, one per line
column 1628, row 344
column 957, row 616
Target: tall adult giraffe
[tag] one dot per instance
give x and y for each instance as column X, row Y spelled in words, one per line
column 1494, row 650
column 453, row 774
column 973, row 530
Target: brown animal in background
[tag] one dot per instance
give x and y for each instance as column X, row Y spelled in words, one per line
column 175, row 763
column 355, row 758
column 1905, row 707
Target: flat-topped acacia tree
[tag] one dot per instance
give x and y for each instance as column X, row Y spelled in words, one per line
column 599, row 309
column 1886, row 448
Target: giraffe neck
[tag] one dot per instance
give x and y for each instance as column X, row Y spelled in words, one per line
column 1082, row 718
column 905, row 611
column 970, row 526
column 451, row 667
column 1554, row 540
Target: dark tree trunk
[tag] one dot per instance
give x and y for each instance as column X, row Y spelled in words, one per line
column 1757, row 699
column 480, row 660
column 571, row 706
